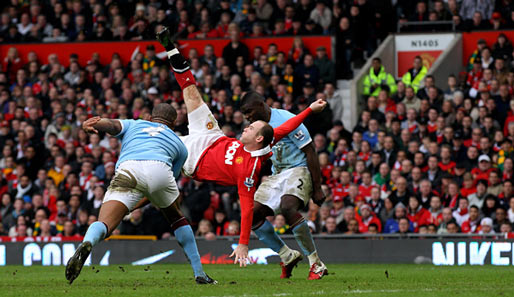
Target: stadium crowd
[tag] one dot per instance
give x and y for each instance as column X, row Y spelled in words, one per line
column 359, row 25
column 423, row 158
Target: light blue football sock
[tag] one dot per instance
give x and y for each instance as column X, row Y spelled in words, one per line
column 266, row 234
column 303, row 236
column 95, row 233
column 186, row 239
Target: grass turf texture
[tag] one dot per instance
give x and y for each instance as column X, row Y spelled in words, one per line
column 259, row 280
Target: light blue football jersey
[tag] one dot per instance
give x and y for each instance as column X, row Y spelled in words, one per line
column 149, row 141
column 287, row 152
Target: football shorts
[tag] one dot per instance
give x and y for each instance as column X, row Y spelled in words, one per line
column 294, row 181
column 134, row 180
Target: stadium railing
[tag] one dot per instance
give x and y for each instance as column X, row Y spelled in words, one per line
column 441, row 26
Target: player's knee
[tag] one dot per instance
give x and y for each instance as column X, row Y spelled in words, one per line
column 256, row 224
column 258, row 218
column 172, row 213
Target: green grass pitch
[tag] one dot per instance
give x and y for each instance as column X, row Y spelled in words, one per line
column 259, row 280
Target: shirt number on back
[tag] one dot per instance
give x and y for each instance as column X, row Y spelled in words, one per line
column 153, row 131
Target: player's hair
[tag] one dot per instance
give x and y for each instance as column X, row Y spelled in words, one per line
column 251, row 97
column 165, row 112
column 267, row 133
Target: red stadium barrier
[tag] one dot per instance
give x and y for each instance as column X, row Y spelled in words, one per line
column 127, row 49
column 469, row 41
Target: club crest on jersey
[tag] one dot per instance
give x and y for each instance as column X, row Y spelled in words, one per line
column 229, row 155
column 299, row 135
column 210, row 125
column 239, row 160
column 249, row 182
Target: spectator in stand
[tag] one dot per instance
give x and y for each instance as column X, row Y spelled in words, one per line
column 378, row 79
column 235, row 48
column 353, row 227
column 486, row 225
column 307, row 72
column 452, row 228
column 500, row 218
column 479, row 196
column 325, row 66
column 506, row 228
column 472, row 224
column 205, row 230
column 392, row 224
column 452, row 138
column 335, row 100
column 461, row 214
column 367, row 217
column 415, row 75
column 403, row 226
column 281, row 227
column 330, row 226
column 416, row 214
column 447, row 218
column 502, row 48
column 322, row 16
column 469, row 7
column 435, row 211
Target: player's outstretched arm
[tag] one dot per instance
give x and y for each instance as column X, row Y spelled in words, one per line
column 293, row 123
column 97, row 124
column 181, row 70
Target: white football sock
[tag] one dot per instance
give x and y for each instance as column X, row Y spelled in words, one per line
column 313, row 258
column 284, row 253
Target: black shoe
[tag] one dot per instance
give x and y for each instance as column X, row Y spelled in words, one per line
column 76, row 262
column 164, row 38
column 202, row 280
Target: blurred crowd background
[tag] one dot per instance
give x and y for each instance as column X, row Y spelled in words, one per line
column 423, row 158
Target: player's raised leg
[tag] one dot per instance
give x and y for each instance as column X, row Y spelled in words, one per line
column 111, row 214
column 266, row 233
column 289, row 205
column 181, row 67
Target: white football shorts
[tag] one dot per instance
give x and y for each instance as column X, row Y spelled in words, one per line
column 134, row 180
column 294, row 181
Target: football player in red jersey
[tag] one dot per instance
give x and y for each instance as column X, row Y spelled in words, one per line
column 227, row 161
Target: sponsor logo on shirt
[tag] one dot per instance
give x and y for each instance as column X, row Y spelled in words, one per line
column 299, row 135
column 229, row 155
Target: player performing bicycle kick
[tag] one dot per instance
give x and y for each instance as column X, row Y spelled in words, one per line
column 218, row 158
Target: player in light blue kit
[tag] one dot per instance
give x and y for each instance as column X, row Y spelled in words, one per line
column 151, row 158
column 296, row 177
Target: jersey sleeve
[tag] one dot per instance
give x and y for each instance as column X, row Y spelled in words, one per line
column 125, row 126
column 300, row 135
column 246, row 187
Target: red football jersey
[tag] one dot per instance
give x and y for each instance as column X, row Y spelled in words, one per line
column 228, row 163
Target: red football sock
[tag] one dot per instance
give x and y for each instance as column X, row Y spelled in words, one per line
column 185, row 79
